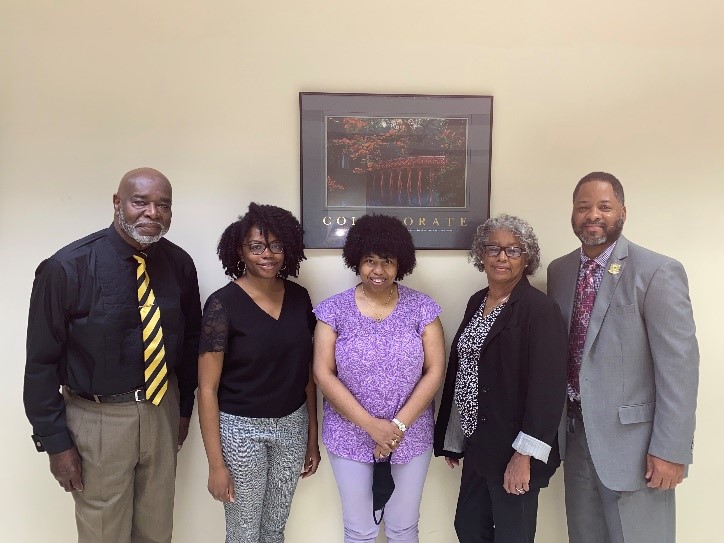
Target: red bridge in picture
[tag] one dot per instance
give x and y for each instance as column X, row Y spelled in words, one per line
column 386, row 179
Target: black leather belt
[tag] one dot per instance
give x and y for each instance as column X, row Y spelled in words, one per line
column 574, row 409
column 138, row 395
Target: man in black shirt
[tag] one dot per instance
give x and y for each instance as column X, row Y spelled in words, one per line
column 85, row 389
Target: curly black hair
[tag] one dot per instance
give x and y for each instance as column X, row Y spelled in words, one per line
column 266, row 218
column 380, row 235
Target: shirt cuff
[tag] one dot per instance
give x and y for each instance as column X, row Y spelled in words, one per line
column 531, row 446
column 53, row 444
column 186, row 405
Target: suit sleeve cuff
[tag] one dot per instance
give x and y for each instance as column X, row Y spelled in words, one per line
column 530, row 446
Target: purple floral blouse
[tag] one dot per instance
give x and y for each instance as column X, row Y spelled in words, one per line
column 380, row 363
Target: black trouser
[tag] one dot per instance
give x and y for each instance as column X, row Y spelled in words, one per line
column 486, row 513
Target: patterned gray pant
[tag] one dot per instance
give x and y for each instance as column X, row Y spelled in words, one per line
column 265, row 457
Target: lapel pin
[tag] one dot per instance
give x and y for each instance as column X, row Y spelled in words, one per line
column 614, row 269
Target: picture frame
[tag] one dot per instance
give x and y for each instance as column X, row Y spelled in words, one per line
column 425, row 159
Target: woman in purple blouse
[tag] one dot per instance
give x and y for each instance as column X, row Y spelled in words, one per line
column 379, row 359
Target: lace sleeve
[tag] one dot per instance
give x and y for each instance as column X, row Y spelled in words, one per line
column 214, row 328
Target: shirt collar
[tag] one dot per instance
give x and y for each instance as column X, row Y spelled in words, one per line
column 602, row 258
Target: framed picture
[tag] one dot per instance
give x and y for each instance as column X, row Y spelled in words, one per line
column 424, row 159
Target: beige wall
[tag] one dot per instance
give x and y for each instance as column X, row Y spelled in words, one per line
column 207, row 92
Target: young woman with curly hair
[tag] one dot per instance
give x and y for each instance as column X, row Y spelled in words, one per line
column 257, row 400
column 379, row 359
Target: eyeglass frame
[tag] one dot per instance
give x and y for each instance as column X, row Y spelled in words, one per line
column 506, row 249
column 265, row 247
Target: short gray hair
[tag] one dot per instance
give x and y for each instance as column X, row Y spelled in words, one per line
column 507, row 223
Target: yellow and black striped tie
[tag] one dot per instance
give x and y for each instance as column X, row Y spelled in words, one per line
column 154, row 354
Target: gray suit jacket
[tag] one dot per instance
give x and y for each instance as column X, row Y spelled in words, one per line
column 640, row 364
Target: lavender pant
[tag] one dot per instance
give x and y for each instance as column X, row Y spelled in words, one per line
column 402, row 513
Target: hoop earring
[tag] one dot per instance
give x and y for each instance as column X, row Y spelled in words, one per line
column 241, row 267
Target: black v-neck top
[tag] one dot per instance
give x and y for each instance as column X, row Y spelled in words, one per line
column 266, row 361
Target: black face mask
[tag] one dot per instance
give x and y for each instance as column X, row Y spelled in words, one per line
column 383, row 485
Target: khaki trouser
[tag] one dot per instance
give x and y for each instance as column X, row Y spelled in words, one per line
column 128, row 452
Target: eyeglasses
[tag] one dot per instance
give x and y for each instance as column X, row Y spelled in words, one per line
column 510, row 252
column 257, row 247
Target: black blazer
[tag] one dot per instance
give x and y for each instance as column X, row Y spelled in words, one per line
column 522, row 383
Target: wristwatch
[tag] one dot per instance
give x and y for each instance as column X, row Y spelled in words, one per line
column 399, row 424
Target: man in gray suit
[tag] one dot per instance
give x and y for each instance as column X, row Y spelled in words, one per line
column 633, row 371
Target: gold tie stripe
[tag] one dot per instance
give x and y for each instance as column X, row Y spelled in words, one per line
column 154, row 353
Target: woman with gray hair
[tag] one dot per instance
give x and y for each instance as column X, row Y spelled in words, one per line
column 504, row 390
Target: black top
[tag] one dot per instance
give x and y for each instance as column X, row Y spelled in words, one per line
column 522, row 372
column 84, row 327
column 266, row 361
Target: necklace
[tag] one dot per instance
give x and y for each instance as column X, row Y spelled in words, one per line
column 493, row 308
column 501, row 302
column 378, row 316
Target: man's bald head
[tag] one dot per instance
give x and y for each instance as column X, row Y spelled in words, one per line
column 142, row 207
column 142, row 175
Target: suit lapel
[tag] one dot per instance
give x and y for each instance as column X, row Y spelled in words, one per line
column 617, row 262
column 507, row 312
column 473, row 306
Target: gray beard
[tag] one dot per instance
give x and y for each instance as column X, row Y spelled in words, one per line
column 592, row 242
column 130, row 229
column 608, row 237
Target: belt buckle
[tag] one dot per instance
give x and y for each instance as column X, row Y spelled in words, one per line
column 139, row 395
